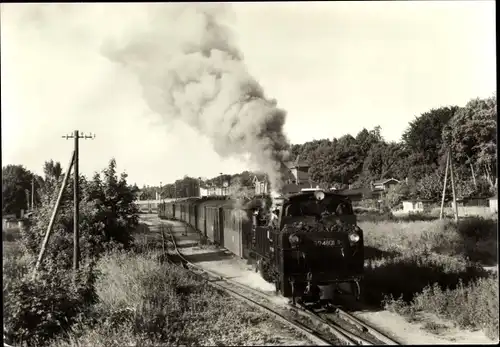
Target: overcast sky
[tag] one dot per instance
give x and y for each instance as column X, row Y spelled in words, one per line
column 334, row 67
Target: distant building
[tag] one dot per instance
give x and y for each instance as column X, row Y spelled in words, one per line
column 383, row 185
column 295, row 176
column 417, row 205
column 494, row 204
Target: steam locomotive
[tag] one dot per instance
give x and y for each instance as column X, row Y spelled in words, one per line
column 311, row 246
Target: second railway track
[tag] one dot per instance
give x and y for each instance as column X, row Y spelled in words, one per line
column 321, row 328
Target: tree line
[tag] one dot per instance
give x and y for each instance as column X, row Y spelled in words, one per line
column 418, row 159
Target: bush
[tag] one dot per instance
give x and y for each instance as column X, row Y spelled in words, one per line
column 395, row 195
column 145, row 302
column 474, row 306
column 108, row 217
column 436, row 260
column 383, row 276
column 36, row 310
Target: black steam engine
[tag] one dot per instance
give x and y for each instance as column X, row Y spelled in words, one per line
column 306, row 246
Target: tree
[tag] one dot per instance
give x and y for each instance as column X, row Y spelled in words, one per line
column 341, row 162
column 108, row 216
column 16, row 180
column 385, row 160
column 471, row 135
column 430, row 187
column 424, row 135
column 396, row 194
column 367, row 139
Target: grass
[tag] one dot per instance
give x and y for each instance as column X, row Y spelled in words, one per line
column 466, row 211
column 141, row 300
column 376, row 215
column 474, row 238
column 434, row 267
column 145, row 302
column 474, row 306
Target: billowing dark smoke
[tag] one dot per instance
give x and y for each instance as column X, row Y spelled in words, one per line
column 190, row 70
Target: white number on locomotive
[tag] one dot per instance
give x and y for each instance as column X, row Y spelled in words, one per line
column 328, row 243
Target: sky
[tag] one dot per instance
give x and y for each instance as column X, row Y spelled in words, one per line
column 335, row 67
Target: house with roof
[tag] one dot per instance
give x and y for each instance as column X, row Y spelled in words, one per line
column 295, row 176
column 383, row 185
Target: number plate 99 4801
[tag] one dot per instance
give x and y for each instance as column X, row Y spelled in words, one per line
column 328, row 243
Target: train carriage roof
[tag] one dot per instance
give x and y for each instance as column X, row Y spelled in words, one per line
column 217, row 202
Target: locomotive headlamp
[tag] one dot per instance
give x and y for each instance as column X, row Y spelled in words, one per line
column 319, row 195
column 294, row 239
column 353, row 237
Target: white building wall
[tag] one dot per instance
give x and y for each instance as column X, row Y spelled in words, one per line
column 494, row 205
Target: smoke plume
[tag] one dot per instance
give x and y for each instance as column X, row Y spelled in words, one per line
column 191, row 70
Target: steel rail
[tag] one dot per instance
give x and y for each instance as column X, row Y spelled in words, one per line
column 312, row 335
column 343, row 334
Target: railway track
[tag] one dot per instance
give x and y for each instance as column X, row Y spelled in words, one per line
column 219, row 282
column 322, row 328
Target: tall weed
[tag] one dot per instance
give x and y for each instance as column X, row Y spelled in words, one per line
column 145, row 302
column 473, row 306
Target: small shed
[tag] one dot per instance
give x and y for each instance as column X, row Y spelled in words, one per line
column 494, row 204
column 417, row 205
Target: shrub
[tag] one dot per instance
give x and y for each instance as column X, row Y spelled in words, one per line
column 52, row 302
column 383, row 276
column 395, row 195
column 474, row 306
column 108, row 216
column 145, row 302
column 36, row 310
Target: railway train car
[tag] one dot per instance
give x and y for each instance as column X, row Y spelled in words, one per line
column 311, row 246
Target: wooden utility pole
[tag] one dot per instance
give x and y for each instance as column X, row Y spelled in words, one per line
column 452, row 176
column 444, row 186
column 76, row 197
column 32, row 194
column 27, row 192
column 449, row 164
column 54, row 214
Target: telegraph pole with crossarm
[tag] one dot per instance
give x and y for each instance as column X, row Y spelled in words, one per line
column 76, row 197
